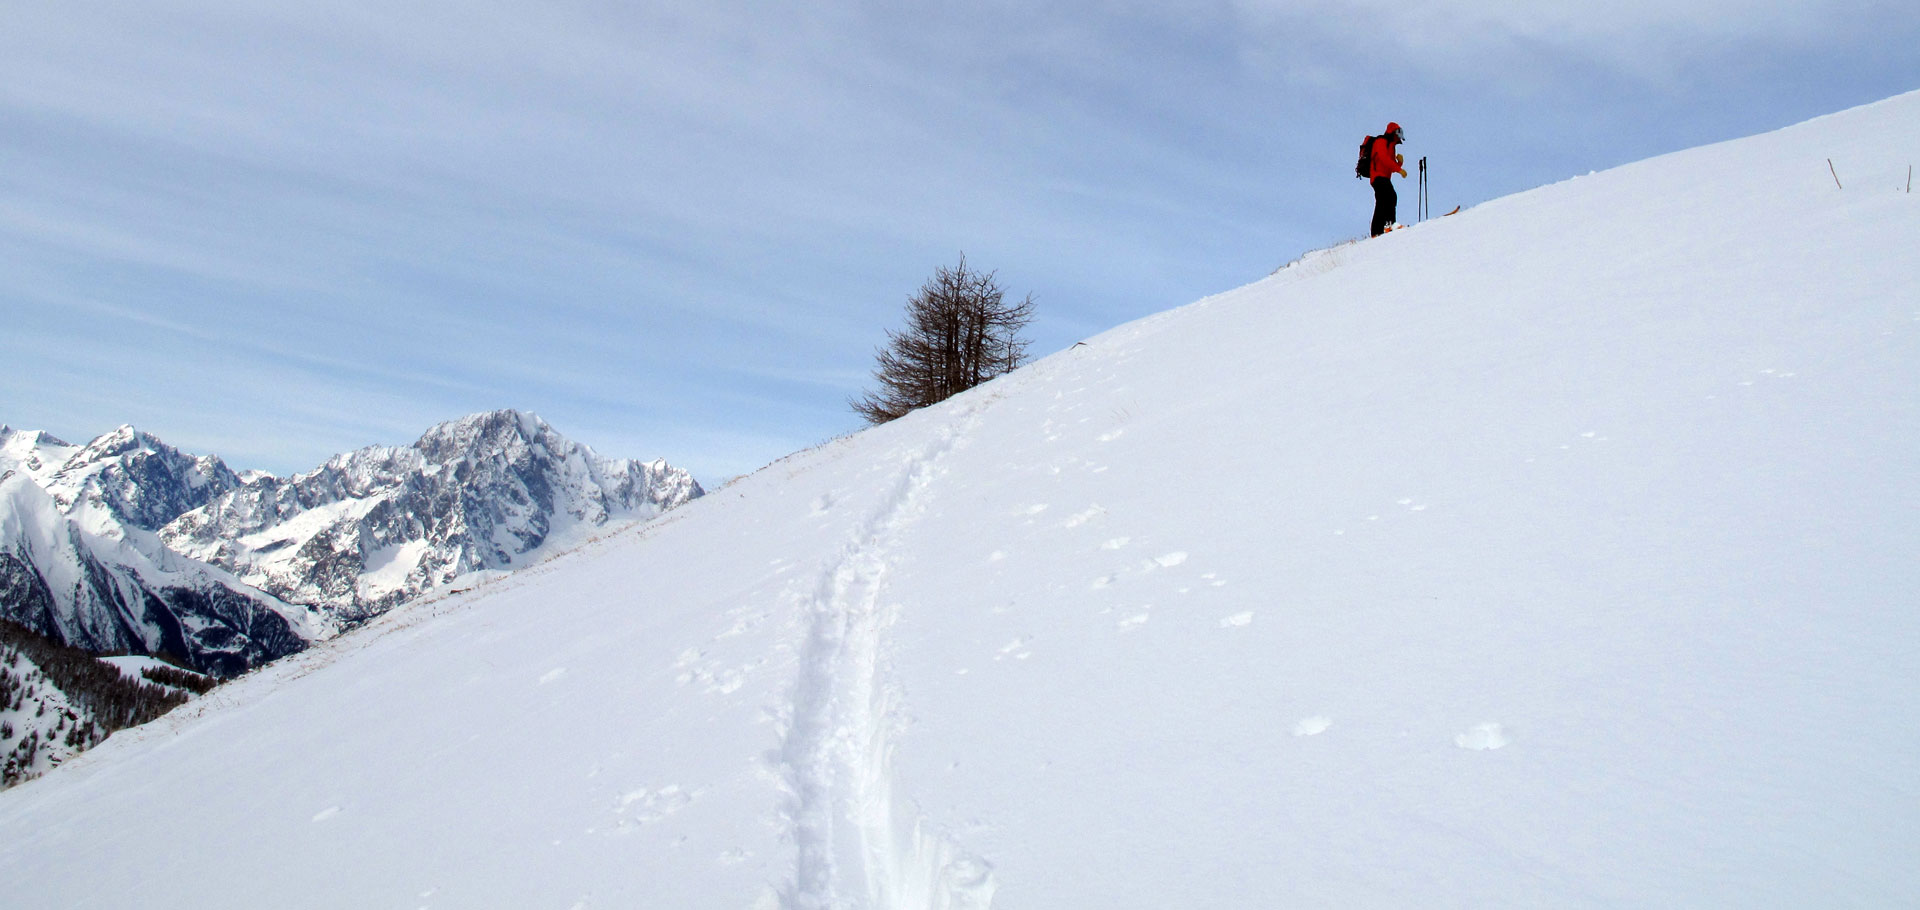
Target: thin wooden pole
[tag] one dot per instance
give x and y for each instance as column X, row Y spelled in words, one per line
column 1836, row 174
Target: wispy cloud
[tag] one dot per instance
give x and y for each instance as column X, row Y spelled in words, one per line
column 690, row 221
column 1650, row 39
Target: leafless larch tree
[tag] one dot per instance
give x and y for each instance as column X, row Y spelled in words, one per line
column 960, row 333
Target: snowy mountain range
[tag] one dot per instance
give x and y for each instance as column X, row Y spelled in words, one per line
column 1558, row 553
column 128, row 545
column 81, row 560
column 376, row 527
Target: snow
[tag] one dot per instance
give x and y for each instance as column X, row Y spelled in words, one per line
column 1556, row 553
column 388, row 567
column 34, row 453
column 31, row 521
column 131, row 666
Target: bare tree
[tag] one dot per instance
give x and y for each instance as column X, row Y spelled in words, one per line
column 960, row 333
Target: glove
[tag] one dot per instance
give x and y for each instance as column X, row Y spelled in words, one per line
column 1402, row 172
column 1399, row 159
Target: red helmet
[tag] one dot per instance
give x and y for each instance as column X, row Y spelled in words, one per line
column 1393, row 129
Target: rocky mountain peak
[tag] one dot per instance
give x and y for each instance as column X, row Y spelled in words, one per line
column 138, row 479
column 374, row 527
column 503, row 432
column 124, row 440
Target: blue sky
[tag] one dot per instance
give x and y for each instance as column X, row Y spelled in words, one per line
column 277, row 231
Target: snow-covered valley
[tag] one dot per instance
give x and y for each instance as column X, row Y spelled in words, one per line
column 1557, row 553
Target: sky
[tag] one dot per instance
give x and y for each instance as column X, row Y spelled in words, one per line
column 276, row 231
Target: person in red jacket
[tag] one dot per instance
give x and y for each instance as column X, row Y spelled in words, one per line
column 1386, row 163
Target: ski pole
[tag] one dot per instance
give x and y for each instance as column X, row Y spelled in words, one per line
column 1423, row 188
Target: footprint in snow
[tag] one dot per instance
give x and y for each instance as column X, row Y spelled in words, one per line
column 644, row 806
column 552, row 675
column 1116, row 543
column 1034, row 509
column 742, row 625
column 1132, row 622
column 1170, row 560
column 1312, row 726
column 1238, row 619
column 1482, row 737
column 1092, row 512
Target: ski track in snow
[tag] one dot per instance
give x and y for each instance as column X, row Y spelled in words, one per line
column 836, row 757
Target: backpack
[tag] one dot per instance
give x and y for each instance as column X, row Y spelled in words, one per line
column 1364, row 169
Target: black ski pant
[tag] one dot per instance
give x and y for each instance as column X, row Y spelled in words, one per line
column 1384, row 202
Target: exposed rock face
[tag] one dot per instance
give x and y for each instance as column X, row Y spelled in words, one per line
column 138, row 480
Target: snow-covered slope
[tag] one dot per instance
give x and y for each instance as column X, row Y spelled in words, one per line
column 34, row 453
column 1557, row 553
column 38, row 721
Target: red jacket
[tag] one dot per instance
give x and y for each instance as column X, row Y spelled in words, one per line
column 1383, row 163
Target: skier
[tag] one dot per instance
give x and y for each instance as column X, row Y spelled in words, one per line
column 1386, row 163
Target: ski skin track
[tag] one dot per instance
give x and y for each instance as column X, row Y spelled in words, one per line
column 836, row 756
